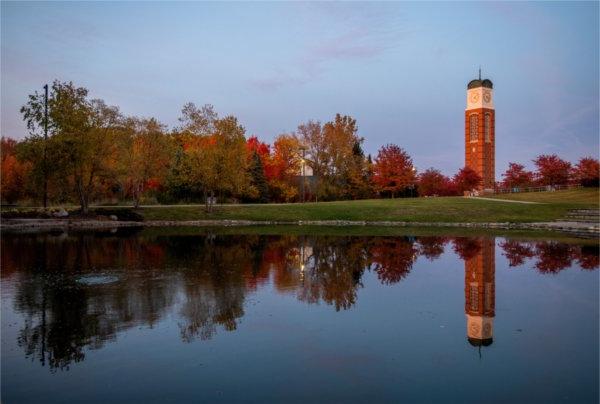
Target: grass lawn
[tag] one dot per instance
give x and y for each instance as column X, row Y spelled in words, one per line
column 584, row 196
column 554, row 205
column 447, row 209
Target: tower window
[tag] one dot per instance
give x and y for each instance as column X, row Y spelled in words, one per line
column 487, row 127
column 474, row 298
column 473, row 127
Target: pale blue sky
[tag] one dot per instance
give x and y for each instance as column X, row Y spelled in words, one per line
column 400, row 69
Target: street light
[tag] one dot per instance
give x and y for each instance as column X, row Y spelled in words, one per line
column 45, row 146
column 303, row 172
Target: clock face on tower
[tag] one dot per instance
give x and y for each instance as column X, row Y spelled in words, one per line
column 474, row 97
column 487, row 96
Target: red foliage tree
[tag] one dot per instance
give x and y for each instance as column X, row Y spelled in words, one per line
column 263, row 150
column 517, row 176
column 552, row 170
column 467, row 179
column 432, row 246
column 516, row 252
column 393, row 259
column 587, row 172
column 466, row 247
column 13, row 172
column 394, row 170
column 433, row 182
column 553, row 257
column 588, row 257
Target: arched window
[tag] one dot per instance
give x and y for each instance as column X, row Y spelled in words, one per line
column 487, row 124
column 473, row 127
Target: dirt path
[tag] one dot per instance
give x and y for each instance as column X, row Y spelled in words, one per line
column 506, row 200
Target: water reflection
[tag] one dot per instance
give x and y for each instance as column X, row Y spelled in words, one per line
column 139, row 279
column 480, row 299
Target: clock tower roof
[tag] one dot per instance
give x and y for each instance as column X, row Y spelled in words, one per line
column 487, row 83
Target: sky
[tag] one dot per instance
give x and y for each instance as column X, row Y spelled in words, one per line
column 399, row 68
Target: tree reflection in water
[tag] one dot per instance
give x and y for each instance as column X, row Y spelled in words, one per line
column 206, row 278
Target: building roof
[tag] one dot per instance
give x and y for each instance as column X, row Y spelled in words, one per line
column 487, row 83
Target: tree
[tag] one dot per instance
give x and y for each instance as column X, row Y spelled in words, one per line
column 587, row 172
column 14, row 173
column 393, row 258
column 433, row 182
column 330, row 149
column 218, row 162
column 358, row 179
column 467, row 179
column 286, row 166
column 82, row 134
column 198, row 121
column 552, row 170
column 394, row 170
column 145, row 155
column 257, row 178
column 517, row 176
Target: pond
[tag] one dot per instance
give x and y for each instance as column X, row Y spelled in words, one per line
column 148, row 316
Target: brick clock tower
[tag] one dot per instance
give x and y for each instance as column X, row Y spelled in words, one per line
column 480, row 294
column 480, row 133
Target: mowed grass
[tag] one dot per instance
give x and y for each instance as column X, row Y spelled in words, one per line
column 447, row 209
column 579, row 196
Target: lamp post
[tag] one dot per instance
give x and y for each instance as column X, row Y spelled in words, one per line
column 303, row 173
column 45, row 145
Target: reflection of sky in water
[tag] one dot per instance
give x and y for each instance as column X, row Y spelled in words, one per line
column 96, row 279
column 272, row 318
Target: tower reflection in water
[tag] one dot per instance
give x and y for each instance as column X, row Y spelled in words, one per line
column 480, row 294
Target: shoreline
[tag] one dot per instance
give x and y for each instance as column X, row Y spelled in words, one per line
column 45, row 224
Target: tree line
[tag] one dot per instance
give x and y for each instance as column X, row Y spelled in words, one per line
column 94, row 153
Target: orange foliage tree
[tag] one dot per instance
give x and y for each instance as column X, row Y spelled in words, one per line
column 394, row 171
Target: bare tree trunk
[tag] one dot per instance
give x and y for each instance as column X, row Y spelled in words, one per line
column 83, row 203
column 136, row 196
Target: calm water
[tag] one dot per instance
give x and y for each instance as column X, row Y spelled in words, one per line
column 140, row 317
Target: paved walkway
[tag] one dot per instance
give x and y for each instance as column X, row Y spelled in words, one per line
column 505, row 200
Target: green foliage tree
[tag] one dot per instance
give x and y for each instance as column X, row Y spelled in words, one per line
column 258, row 179
column 82, row 136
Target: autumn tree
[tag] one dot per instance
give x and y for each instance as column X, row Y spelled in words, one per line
column 333, row 151
column 552, row 170
column 145, row 155
column 184, row 178
column 467, row 247
column 467, row 179
column 517, row 176
column 433, row 182
column 587, row 172
column 394, row 171
column 216, row 163
column 358, row 176
column 286, row 158
column 199, row 121
column 14, row 173
column 82, row 134
column 393, row 258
